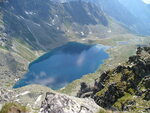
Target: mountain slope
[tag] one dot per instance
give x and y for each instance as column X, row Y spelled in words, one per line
column 125, row 87
column 44, row 100
column 141, row 11
column 133, row 14
column 137, row 8
column 46, row 24
column 126, row 12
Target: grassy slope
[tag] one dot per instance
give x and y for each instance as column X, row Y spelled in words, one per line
column 14, row 61
column 13, row 107
column 23, row 50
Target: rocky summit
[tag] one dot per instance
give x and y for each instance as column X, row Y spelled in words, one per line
column 43, row 100
column 124, row 88
column 59, row 103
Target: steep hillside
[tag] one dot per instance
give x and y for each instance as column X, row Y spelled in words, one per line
column 125, row 87
column 46, row 24
column 116, row 10
column 126, row 12
column 142, row 13
column 29, row 100
column 12, row 67
column 132, row 14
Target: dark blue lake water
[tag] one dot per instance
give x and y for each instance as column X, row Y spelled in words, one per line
column 63, row 65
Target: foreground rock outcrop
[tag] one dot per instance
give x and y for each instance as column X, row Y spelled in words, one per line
column 34, row 99
column 29, row 97
column 60, row 103
column 126, row 87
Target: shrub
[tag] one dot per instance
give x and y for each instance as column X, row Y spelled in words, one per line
column 13, row 107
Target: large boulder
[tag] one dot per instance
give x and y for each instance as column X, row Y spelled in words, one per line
column 60, row 103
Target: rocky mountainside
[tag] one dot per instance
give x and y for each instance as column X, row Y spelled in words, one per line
column 59, row 103
column 126, row 87
column 9, row 72
column 27, row 96
column 44, row 100
column 132, row 14
column 142, row 14
column 46, row 24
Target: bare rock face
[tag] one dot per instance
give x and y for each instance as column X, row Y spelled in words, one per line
column 60, row 103
column 5, row 95
column 25, row 96
column 53, row 102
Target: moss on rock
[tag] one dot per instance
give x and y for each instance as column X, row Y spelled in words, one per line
column 13, row 108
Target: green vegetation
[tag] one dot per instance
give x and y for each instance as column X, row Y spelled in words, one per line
column 24, row 50
column 109, row 111
column 102, row 111
column 13, row 108
column 102, row 92
column 122, row 100
column 127, row 99
column 3, row 47
column 129, row 90
column 67, row 24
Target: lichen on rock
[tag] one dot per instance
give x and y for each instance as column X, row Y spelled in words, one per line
column 61, row 103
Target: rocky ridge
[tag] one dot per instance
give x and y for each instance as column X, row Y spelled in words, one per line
column 60, row 103
column 26, row 96
column 124, row 88
column 44, row 100
column 11, row 72
column 53, row 21
column 5, row 96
